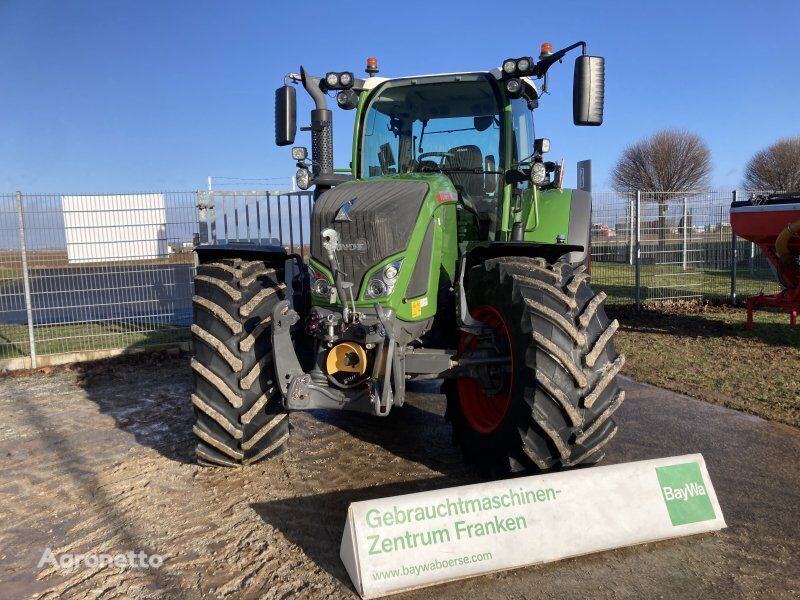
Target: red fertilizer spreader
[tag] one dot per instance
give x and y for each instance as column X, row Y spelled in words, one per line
column 773, row 222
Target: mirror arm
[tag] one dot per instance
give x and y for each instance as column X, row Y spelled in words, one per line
column 540, row 70
column 311, row 84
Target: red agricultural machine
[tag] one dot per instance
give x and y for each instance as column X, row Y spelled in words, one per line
column 773, row 223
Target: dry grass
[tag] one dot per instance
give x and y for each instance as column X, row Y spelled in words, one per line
column 707, row 353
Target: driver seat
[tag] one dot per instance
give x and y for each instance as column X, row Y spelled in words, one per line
column 469, row 185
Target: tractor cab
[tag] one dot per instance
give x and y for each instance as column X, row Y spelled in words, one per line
column 455, row 125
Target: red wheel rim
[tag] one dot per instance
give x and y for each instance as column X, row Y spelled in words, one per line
column 484, row 412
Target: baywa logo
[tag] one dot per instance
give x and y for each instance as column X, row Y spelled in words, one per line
column 685, row 493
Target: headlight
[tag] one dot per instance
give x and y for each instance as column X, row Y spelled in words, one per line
column 523, row 64
column 320, row 286
column 376, row 288
column 390, row 272
column 303, row 179
column 509, row 66
column 538, row 173
column 332, row 79
column 383, row 282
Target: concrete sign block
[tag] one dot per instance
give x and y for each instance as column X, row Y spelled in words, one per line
column 405, row 542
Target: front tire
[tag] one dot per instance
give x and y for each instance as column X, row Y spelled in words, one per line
column 239, row 416
column 553, row 406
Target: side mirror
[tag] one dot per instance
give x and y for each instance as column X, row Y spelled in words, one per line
column 285, row 115
column 490, row 178
column 588, row 90
column 483, row 123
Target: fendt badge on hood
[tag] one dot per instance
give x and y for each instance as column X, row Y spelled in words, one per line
column 344, row 212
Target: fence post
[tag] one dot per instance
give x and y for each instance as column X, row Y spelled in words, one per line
column 734, row 257
column 637, row 249
column 202, row 217
column 630, row 230
column 26, row 281
column 685, row 232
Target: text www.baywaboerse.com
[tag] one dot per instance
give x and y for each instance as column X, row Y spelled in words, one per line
column 431, row 565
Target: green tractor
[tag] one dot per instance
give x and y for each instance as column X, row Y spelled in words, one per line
column 448, row 251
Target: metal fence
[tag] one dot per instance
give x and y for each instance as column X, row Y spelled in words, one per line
column 86, row 274
column 651, row 247
column 278, row 218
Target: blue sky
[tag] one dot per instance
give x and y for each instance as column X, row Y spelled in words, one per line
column 148, row 95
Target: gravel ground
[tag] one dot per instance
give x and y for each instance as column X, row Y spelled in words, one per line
column 98, row 458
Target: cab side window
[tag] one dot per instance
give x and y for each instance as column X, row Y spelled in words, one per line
column 522, row 124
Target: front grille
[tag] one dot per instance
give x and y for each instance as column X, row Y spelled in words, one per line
column 382, row 217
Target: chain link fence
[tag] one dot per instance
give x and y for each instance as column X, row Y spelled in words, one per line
column 83, row 276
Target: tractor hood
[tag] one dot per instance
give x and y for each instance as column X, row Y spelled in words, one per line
column 374, row 220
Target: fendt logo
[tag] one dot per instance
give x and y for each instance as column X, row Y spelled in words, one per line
column 685, row 493
column 344, row 211
column 357, row 246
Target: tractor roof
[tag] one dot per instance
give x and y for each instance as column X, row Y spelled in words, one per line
column 373, row 82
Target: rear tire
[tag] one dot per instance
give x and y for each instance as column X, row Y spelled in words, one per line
column 239, row 416
column 562, row 389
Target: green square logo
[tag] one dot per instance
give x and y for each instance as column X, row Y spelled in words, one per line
column 685, row 493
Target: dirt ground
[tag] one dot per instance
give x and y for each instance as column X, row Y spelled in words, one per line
column 99, row 459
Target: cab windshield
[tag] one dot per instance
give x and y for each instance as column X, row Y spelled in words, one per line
column 444, row 126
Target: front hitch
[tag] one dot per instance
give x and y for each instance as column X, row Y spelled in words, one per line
column 305, row 391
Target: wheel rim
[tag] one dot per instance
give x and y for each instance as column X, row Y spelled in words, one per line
column 485, row 411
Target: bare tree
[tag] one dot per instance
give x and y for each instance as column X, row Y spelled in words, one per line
column 775, row 168
column 668, row 161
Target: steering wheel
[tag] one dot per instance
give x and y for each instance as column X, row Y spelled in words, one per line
column 421, row 164
column 441, row 154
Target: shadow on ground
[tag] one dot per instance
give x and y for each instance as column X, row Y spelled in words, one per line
column 147, row 395
column 315, row 523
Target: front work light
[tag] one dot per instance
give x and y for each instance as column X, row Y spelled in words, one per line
column 303, row 179
column 541, row 145
column 347, row 99
column 517, row 66
column 339, row 81
column 299, row 153
column 514, row 88
column 538, row 173
column 332, row 79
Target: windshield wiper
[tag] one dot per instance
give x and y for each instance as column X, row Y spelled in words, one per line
column 461, row 170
